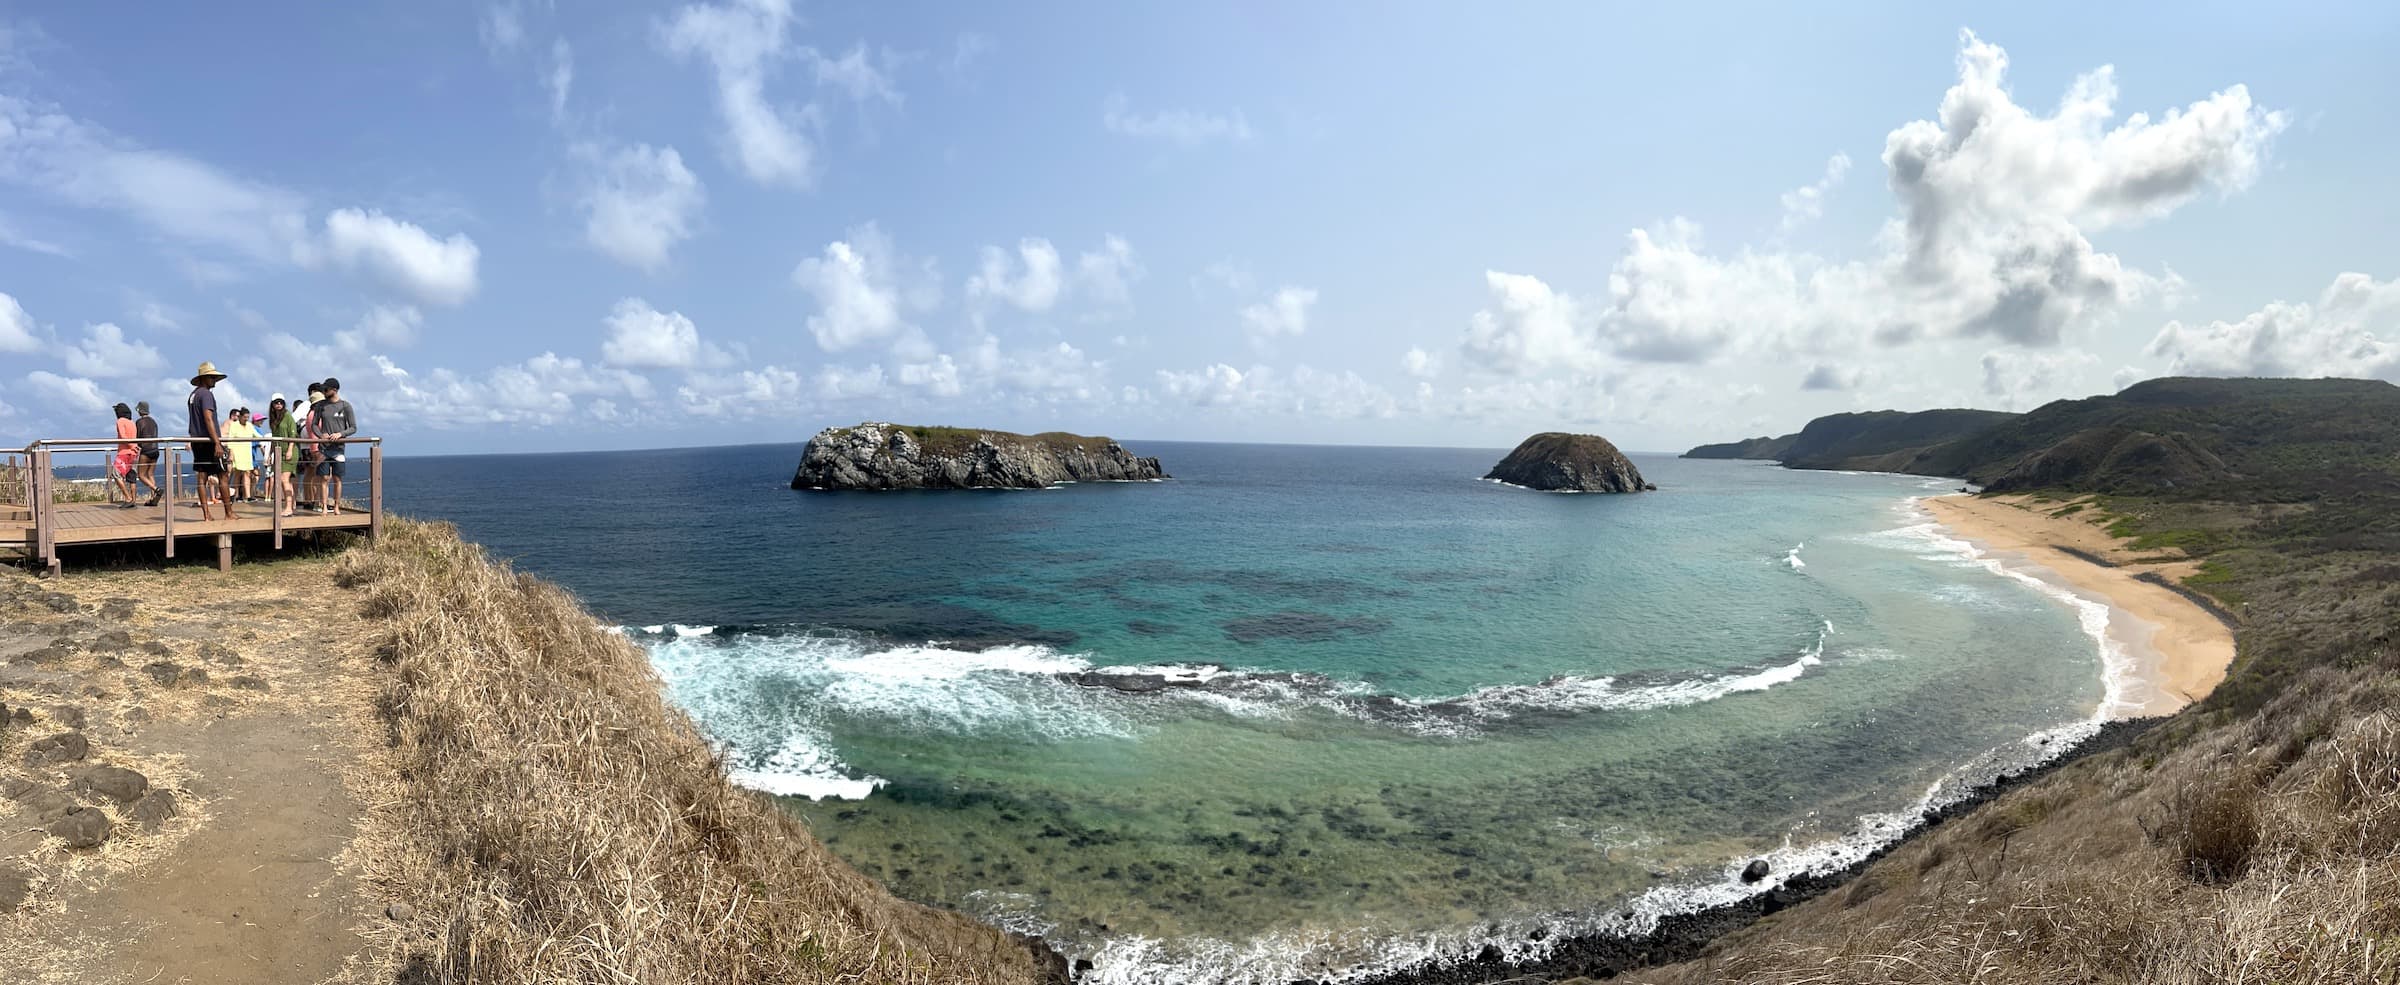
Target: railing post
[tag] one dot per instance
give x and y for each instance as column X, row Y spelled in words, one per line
column 275, row 491
column 45, row 514
column 168, row 514
column 374, row 493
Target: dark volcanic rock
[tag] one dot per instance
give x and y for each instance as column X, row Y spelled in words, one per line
column 1757, row 869
column 65, row 747
column 1301, row 627
column 152, row 811
column 1129, row 683
column 113, row 782
column 892, row 456
column 81, row 827
column 1557, row 461
column 16, row 886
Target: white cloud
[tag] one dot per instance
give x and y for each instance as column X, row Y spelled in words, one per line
column 1994, row 205
column 1031, row 281
column 159, row 316
column 184, row 198
column 1528, row 329
column 106, row 353
column 399, row 255
column 16, row 327
column 1107, row 275
column 561, row 80
column 1189, row 128
column 2127, row 376
column 638, row 202
column 1301, row 391
column 642, row 337
column 2023, row 378
column 857, row 73
column 861, row 293
column 1824, row 376
column 1804, row 204
column 383, row 326
column 2353, row 330
column 741, row 40
column 71, row 394
column 1419, row 363
column 1284, row 312
column 501, row 28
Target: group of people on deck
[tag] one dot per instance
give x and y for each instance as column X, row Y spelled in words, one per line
column 232, row 459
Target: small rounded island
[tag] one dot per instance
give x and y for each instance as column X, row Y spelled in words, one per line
column 1555, row 461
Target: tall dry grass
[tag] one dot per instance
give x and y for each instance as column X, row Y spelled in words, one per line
column 2261, row 849
column 559, row 822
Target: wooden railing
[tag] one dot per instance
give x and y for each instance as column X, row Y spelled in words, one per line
column 32, row 488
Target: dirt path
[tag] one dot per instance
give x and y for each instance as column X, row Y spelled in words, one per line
column 223, row 694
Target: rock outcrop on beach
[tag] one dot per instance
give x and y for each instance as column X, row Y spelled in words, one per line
column 879, row 455
column 1560, row 462
column 1761, row 448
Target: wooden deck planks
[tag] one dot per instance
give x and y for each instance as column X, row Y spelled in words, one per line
column 100, row 523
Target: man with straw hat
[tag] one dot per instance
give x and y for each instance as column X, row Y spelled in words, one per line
column 208, row 441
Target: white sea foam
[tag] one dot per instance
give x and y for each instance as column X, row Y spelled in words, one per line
column 1603, row 693
column 1792, row 557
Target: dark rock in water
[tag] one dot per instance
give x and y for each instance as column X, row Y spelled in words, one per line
column 65, row 747
column 1558, row 461
column 1756, row 870
column 1489, row 955
column 81, row 827
column 1128, row 683
column 892, row 456
column 153, row 811
column 113, row 782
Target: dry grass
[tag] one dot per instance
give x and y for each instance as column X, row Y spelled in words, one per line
column 561, row 823
column 2264, row 849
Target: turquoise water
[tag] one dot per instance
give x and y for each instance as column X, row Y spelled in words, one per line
column 1398, row 711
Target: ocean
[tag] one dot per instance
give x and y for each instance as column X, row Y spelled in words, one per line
column 1307, row 712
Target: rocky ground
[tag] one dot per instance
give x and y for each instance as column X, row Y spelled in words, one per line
column 177, row 767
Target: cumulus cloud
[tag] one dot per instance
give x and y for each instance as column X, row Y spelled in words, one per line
column 1031, row 280
column 561, row 80
column 71, row 394
column 184, row 198
column 106, row 353
column 1284, row 312
column 1994, row 204
column 16, row 327
column 1804, row 204
column 860, row 286
column 637, row 201
column 386, row 326
column 1107, row 275
column 1189, row 128
column 1300, row 391
column 742, row 41
column 399, row 255
column 642, row 337
column 1419, row 363
column 2353, row 330
column 2022, row 378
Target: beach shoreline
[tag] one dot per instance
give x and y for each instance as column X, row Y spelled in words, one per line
column 2178, row 650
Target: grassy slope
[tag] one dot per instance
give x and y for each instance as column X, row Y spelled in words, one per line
column 1763, row 448
column 2254, row 837
column 1882, row 440
column 562, row 823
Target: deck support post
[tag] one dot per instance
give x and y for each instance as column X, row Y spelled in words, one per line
column 374, row 493
column 166, row 498
column 224, row 552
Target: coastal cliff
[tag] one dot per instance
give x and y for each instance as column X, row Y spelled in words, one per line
column 1559, row 462
column 878, row 455
column 1761, row 448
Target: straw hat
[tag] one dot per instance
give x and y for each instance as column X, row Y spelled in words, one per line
column 208, row 370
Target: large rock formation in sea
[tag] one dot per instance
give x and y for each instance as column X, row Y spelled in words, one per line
column 879, row 455
column 1555, row 460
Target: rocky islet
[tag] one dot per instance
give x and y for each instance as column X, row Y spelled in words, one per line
column 885, row 456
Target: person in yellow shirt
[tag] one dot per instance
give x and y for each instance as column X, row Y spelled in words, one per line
column 241, row 441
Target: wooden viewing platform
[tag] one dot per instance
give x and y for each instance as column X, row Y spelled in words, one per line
column 36, row 518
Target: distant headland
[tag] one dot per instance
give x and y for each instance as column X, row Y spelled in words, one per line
column 1555, row 461
column 879, row 455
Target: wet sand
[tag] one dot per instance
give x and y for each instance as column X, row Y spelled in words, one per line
column 2180, row 649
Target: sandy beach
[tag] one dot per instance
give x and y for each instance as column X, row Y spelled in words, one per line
column 2180, row 650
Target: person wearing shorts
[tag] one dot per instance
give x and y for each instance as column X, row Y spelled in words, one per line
column 146, row 461
column 120, row 466
column 208, row 442
column 334, row 419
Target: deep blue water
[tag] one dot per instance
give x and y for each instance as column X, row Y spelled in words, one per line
column 1433, row 706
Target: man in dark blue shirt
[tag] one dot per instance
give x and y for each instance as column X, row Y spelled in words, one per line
column 208, row 441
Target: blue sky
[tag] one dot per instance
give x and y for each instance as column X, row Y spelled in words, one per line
column 586, row 226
